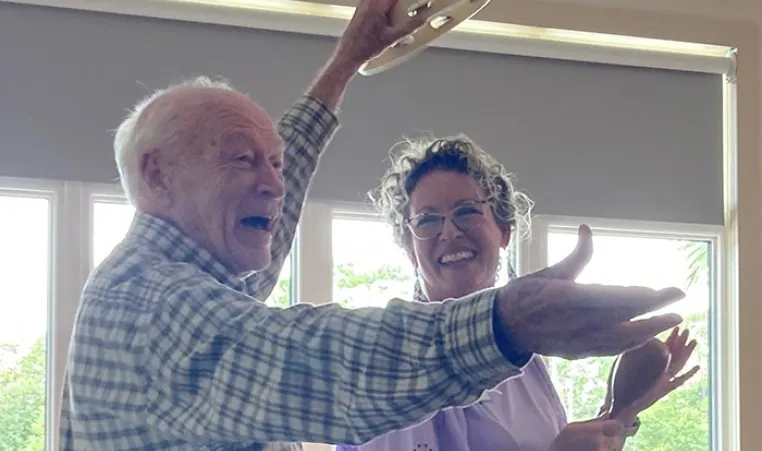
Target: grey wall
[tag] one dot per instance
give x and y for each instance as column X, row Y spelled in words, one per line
column 584, row 139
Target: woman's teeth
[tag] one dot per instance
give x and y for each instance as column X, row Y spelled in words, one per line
column 457, row 257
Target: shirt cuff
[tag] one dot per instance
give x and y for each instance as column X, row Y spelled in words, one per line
column 505, row 342
column 470, row 340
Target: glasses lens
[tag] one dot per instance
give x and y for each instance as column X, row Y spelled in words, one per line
column 426, row 226
column 469, row 216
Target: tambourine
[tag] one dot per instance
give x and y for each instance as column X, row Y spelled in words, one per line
column 441, row 17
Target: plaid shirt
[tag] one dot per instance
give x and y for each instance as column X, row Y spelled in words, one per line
column 172, row 352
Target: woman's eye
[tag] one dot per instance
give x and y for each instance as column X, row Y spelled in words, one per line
column 467, row 211
column 427, row 220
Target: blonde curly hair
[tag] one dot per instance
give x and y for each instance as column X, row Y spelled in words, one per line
column 412, row 160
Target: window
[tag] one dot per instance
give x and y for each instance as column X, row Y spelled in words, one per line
column 369, row 269
column 111, row 221
column 282, row 295
column 25, row 266
column 681, row 421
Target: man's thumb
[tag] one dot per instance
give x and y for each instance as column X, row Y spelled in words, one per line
column 570, row 267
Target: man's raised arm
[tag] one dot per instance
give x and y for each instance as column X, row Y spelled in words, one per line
column 308, row 126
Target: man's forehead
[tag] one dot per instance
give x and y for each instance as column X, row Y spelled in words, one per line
column 207, row 101
column 220, row 114
column 234, row 112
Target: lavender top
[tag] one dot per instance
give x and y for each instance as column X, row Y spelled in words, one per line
column 523, row 413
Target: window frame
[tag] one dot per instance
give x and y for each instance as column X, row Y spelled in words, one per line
column 723, row 328
column 54, row 193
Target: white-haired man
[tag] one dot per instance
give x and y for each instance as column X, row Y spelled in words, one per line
column 172, row 349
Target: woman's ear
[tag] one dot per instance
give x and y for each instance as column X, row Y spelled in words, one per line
column 505, row 239
column 411, row 256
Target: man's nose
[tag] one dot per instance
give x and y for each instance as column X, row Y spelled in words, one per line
column 271, row 182
column 449, row 230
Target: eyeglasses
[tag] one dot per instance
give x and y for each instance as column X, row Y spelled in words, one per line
column 426, row 226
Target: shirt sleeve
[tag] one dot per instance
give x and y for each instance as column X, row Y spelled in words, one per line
column 306, row 129
column 219, row 367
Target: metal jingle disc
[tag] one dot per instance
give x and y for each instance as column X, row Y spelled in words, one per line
column 441, row 17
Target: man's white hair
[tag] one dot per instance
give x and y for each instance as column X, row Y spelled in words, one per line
column 137, row 133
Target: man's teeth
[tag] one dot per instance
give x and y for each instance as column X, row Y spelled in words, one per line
column 457, row 256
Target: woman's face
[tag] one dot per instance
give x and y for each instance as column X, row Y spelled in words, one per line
column 455, row 261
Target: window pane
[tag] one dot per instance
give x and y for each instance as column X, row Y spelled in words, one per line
column 24, row 287
column 681, row 421
column 111, row 221
column 369, row 269
column 281, row 295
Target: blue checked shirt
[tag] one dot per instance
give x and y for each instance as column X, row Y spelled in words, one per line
column 172, row 352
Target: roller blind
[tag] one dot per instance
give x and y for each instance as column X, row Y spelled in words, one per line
column 584, row 139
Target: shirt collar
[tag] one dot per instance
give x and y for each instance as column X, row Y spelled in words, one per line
column 165, row 237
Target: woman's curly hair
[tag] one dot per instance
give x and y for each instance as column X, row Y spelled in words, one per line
column 411, row 160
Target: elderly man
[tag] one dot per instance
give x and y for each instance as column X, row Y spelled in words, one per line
column 173, row 350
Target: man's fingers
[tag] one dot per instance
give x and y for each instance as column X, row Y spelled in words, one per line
column 383, row 6
column 631, row 334
column 396, row 33
column 621, row 303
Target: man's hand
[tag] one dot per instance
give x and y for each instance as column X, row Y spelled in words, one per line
column 549, row 314
column 599, row 434
column 368, row 33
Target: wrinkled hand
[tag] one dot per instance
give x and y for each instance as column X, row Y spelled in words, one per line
column 599, row 434
column 549, row 314
column 680, row 350
column 370, row 32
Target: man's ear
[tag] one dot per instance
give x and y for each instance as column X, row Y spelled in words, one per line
column 154, row 176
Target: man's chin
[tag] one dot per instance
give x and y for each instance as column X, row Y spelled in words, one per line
column 252, row 266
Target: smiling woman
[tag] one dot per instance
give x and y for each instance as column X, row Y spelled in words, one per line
column 454, row 210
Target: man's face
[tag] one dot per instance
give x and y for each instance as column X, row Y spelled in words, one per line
column 225, row 182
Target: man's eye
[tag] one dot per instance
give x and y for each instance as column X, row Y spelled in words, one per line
column 245, row 158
